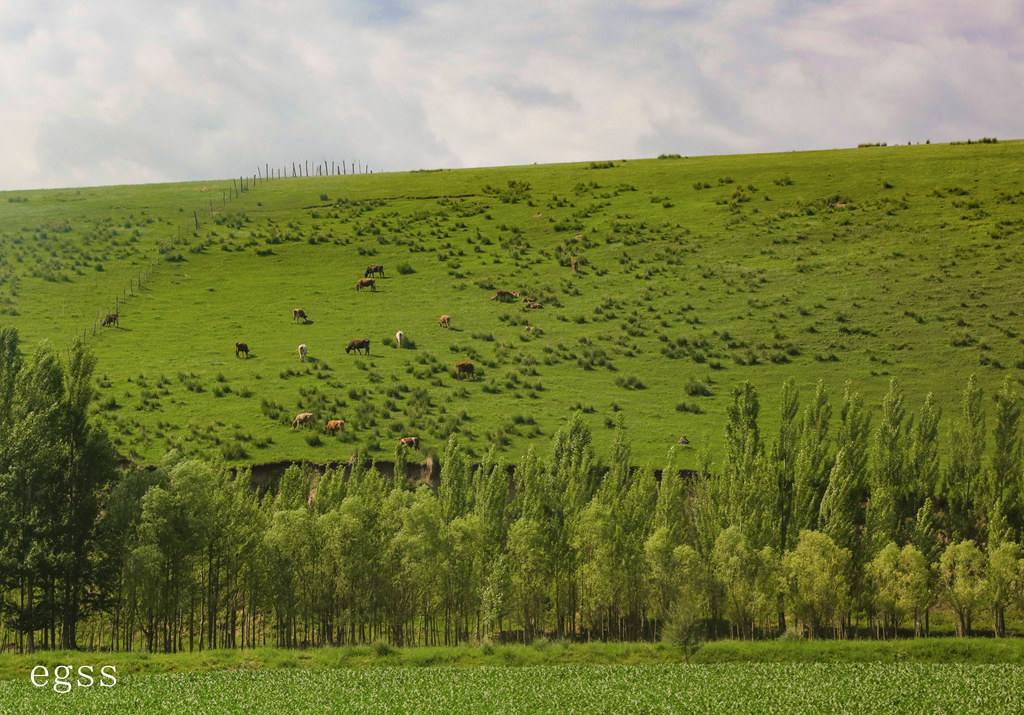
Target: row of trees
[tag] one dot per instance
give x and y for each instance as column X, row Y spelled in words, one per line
column 829, row 526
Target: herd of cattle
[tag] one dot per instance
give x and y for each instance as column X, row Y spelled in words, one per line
column 362, row 346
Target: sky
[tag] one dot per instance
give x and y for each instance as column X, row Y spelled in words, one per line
column 142, row 91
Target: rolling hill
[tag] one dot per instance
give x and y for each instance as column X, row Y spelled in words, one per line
column 694, row 275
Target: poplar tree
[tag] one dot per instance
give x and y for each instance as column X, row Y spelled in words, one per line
column 961, row 571
column 782, row 462
column 811, row 465
column 923, row 457
column 890, row 491
column 963, row 480
column 1006, row 473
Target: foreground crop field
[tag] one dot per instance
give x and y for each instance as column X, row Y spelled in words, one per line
column 694, row 275
column 759, row 688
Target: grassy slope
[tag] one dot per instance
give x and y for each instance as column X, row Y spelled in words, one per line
column 750, row 277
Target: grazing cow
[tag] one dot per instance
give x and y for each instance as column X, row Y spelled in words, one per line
column 303, row 418
column 413, row 442
column 464, row 368
column 506, row 296
column 399, row 337
column 683, row 440
column 358, row 345
column 575, row 267
column 111, row 319
column 241, row 348
column 371, row 270
column 445, row 322
column 335, row 426
column 534, row 305
column 299, row 314
column 302, row 350
column 370, row 283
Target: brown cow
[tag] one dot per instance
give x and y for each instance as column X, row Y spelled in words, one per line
column 241, row 348
column 375, row 269
column 335, row 426
column 464, row 368
column 534, row 305
column 303, row 418
column 370, row 283
column 409, row 442
column 575, row 267
column 299, row 314
column 506, row 296
column 358, row 345
column 445, row 322
column 111, row 319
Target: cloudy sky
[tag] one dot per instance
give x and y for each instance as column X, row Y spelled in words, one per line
column 137, row 91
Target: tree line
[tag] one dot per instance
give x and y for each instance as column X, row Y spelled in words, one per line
column 831, row 527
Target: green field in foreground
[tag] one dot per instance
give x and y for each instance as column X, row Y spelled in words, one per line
column 695, row 275
column 750, row 688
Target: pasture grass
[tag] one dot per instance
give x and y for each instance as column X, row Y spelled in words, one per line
column 695, row 275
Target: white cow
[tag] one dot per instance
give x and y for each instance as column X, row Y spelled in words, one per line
column 302, row 351
column 399, row 336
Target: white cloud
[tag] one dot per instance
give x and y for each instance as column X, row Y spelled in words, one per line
column 129, row 92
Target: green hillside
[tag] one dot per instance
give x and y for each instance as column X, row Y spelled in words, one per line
column 695, row 275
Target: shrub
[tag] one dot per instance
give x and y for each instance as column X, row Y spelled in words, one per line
column 696, row 388
column 630, row 383
column 405, row 268
column 235, row 450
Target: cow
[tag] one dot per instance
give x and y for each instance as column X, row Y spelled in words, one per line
column 111, row 319
column 376, row 269
column 534, row 305
column 413, row 442
column 366, row 283
column 683, row 440
column 299, row 314
column 399, row 337
column 334, row 426
column 303, row 418
column 445, row 322
column 358, row 345
column 533, row 330
column 241, row 348
column 464, row 368
column 575, row 267
column 505, row 296
column 302, row 350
